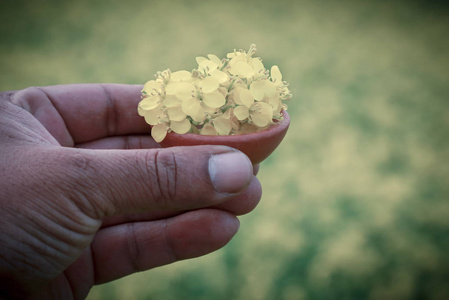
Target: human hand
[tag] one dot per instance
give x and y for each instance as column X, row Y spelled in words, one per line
column 77, row 209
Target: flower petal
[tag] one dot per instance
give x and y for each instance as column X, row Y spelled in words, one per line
column 257, row 90
column 140, row 111
column 215, row 59
column 235, row 123
column 243, row 97
column 192, row 107
column 236, row 57
column 241, row 112
column 209, row 85
column 222, row 126
column 262, row 88
column 262, row 114
column 152, row 87
column 184, row 90
column 181, row 127
column 223, row 91
column 181, row 75
column 274, row 102
column 207, row 65
column 170, row 88
column 214, row 100
column 257, row 64
column 149, row 103
column 276, row 75
column 176, row 114
column 154, row 116
column 172, row 101
column 243, row 69
column 269, row 88
column 200, row 59
column 208, row 109
column 159, row 132
column 208, row 129
column 234, row 61
column 220, row 76
column 247, row 128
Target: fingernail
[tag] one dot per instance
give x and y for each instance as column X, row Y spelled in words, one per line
column 230, row 172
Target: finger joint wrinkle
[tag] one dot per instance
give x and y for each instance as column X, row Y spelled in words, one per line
column 111, row 112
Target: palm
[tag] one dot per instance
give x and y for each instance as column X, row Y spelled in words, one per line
column 85, row 245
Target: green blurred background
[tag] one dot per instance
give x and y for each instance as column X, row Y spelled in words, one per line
column 355, row 202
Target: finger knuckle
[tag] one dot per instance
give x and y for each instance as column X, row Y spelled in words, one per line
column 133, row 250
column 163, row 169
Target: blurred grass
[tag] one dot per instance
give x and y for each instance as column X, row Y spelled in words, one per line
column 355, row 201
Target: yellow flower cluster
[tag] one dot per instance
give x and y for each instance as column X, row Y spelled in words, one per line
column 234, row 95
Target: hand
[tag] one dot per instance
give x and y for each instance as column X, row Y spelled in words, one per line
column 77, row 209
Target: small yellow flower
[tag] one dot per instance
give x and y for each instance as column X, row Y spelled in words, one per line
column 241, row 112
column 259, row 113
column 220, row 76
column 152, row 88
column 159, row 132
column 209, row 85
column 222, row 125
column 208, row 129
column 276, row 75
column 181, row 76
column 214, row 99
column 180, row 127
column 194, row 108
column 262, row 88
column 234, row 95
column 207, row 65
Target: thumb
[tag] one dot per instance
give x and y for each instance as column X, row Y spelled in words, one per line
column 111, row 182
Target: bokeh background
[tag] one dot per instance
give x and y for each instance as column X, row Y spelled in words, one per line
column 355, row 202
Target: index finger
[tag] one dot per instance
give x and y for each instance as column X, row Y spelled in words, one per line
column 88, row 111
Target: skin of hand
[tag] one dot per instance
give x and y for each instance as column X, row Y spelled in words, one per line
column 86, row 196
